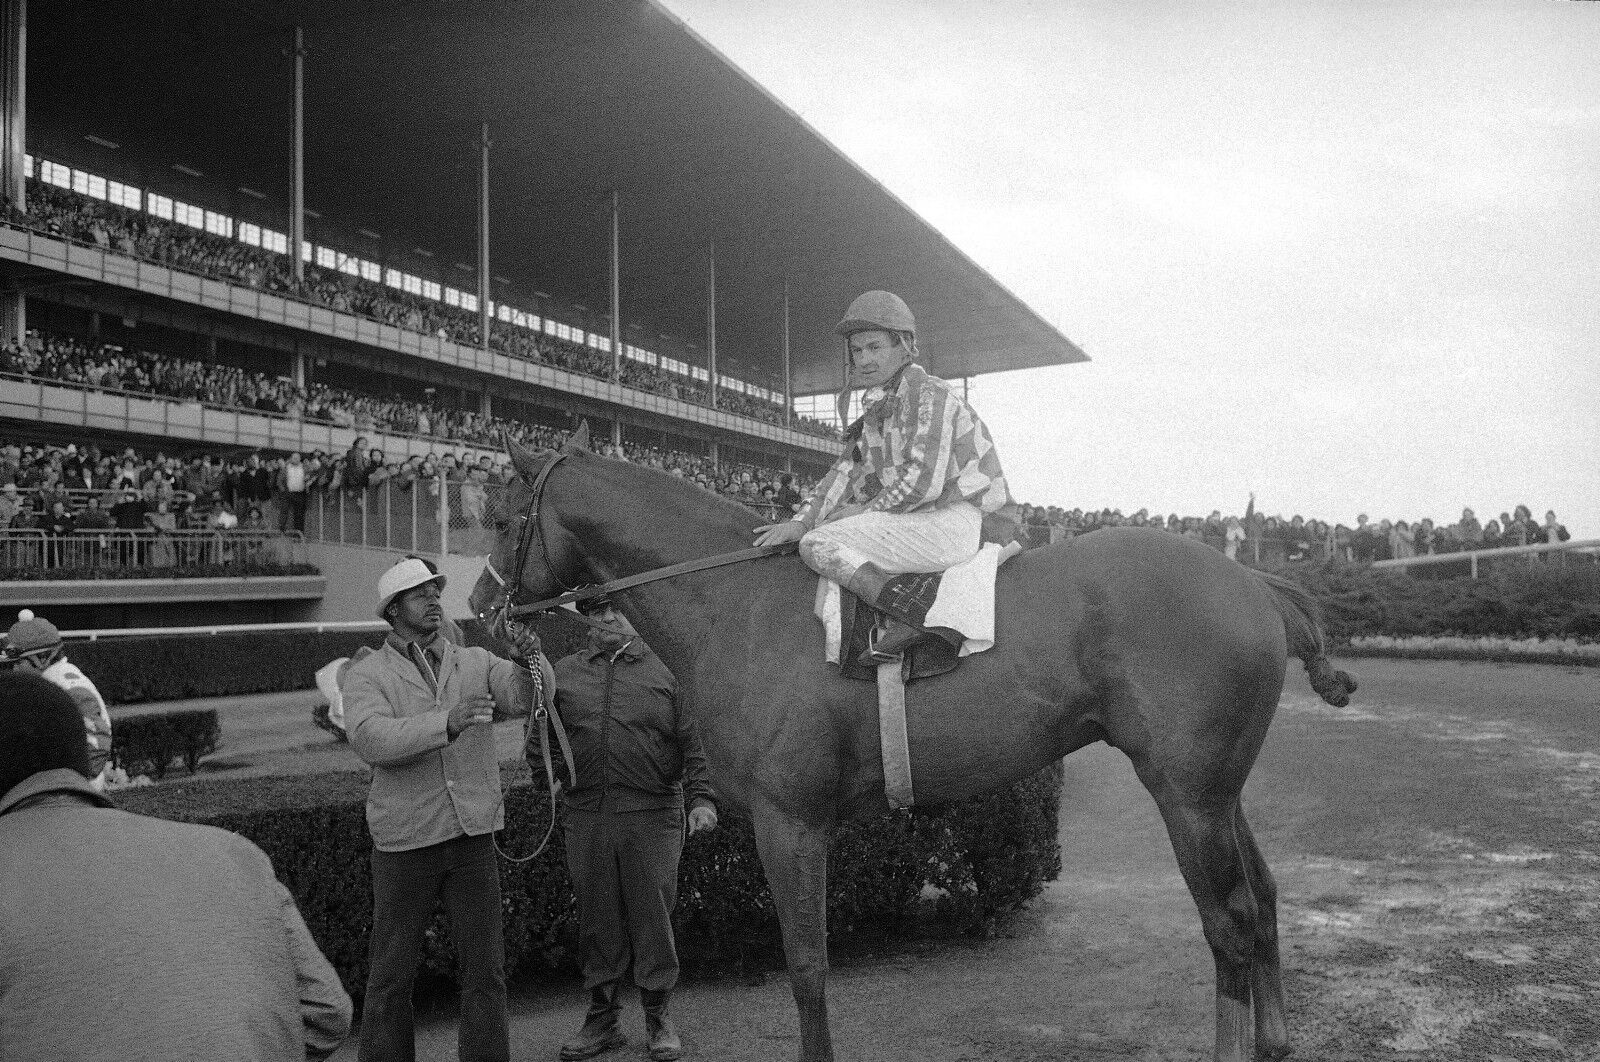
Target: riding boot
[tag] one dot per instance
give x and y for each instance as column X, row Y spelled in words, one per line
column 601, row 1030
column 664, row 1043
column 905, row 600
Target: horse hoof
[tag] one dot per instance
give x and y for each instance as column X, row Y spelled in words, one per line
column 1273, row 1054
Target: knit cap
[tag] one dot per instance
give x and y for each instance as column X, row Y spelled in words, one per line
column 30, row 634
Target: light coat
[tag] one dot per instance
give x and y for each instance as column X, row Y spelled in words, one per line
column 131, row 938
column 425, row 787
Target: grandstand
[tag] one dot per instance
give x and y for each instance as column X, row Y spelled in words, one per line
column 381, row 236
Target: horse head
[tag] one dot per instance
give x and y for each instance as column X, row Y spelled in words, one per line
column 534, row 556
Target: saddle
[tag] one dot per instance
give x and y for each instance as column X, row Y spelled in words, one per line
column 862, row 625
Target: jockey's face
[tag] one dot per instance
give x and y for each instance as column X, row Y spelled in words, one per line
column 875, row 355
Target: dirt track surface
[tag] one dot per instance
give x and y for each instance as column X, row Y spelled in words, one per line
column 1435, row 845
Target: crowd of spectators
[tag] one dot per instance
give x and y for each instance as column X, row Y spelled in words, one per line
column 1258, row 537
column 66, row 214
column 65, row 489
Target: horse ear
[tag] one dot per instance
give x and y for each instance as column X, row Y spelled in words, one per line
column 579, row 440
column 524, row 460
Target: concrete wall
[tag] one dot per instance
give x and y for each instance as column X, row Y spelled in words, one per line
column 352, row 581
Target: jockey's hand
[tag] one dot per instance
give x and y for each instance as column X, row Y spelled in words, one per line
column 702, row 817
column 780, row 534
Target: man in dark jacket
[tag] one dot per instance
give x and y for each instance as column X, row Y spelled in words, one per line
column 133, row 938
column 639, row 762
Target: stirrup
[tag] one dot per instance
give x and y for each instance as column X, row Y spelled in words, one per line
column 888, row 642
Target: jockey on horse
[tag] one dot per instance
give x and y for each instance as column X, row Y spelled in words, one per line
column 918, row 489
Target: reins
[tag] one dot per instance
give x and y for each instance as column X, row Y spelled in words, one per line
column 508, row 611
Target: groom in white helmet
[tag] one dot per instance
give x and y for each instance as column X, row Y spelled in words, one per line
column 917, row 490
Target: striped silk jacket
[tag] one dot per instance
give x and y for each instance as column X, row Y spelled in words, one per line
column 917, row 447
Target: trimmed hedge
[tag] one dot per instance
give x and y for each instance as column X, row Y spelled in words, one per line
column 983, row 858
column 37, row 573
column 147, row 744
column 182, row 667
column 1541, row 601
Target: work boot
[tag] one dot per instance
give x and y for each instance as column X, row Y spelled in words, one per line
column 664, row 1043
column 601, row 1031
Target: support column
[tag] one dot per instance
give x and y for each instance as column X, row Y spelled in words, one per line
column 485, row 404
column 297, row 160
column 483, row 239
column 13, row 98
column 788, row 394
column 715, row 465
column 711, row 330
column 616, row 290
column 616, row 433
column 297, row 369
column 13, row 146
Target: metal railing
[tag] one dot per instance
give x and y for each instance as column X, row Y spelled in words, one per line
column 1556, row 551
column 435, row 515
column 85, row 553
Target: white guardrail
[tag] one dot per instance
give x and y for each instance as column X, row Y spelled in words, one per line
column 225, row 628
column 1472, row 557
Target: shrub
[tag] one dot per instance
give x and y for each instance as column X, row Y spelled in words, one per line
column 147, row 744
column 256, row 569
column 983, row 857
column 179, row 667
column 1541, row 601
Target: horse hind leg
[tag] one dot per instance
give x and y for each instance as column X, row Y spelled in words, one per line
column 1213, row 866
column 794, row 856
column 1266, row 977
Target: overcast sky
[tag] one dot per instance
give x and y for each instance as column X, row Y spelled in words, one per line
column 1345, row 254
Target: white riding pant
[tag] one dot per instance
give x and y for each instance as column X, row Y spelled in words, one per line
column 927, row 541
column 943, row 540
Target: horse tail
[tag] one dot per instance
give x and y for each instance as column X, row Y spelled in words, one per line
column 1302, row 626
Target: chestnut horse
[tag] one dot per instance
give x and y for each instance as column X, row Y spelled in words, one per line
column 1151, row 642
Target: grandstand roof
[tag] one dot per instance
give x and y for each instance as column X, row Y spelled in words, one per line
column 582, row 97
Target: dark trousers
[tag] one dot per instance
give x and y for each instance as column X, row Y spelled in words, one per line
column 624, row 869
column 296, row 506
column 405, row 886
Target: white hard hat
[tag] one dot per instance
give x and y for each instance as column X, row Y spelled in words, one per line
column 402, row 577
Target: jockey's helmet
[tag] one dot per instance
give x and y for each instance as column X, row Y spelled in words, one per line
column 877, row 309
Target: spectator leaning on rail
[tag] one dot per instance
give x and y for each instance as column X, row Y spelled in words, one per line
column 639, row 761
column 419, row 711
column 34, row 644
column 918, row 488
column 133, row 938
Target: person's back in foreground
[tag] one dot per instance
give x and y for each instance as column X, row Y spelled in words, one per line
column 129, row 938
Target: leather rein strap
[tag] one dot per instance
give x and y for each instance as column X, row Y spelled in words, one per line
column 699, row 564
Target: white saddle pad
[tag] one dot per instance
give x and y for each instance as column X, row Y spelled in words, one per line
column 965, row 602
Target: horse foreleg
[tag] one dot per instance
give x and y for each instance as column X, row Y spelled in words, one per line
column 1266, row 977
column 1212, row 864
column 795, row 857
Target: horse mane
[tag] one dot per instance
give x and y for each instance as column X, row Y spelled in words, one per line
column 685, row 507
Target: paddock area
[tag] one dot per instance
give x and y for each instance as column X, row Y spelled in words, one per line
column 1436, row 848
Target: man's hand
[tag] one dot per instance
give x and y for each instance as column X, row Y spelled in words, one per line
column 525, row 644
column 780, row 534
column 470, row 711
column 702, row 817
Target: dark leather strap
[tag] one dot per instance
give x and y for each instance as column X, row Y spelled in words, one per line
column 699, row 564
